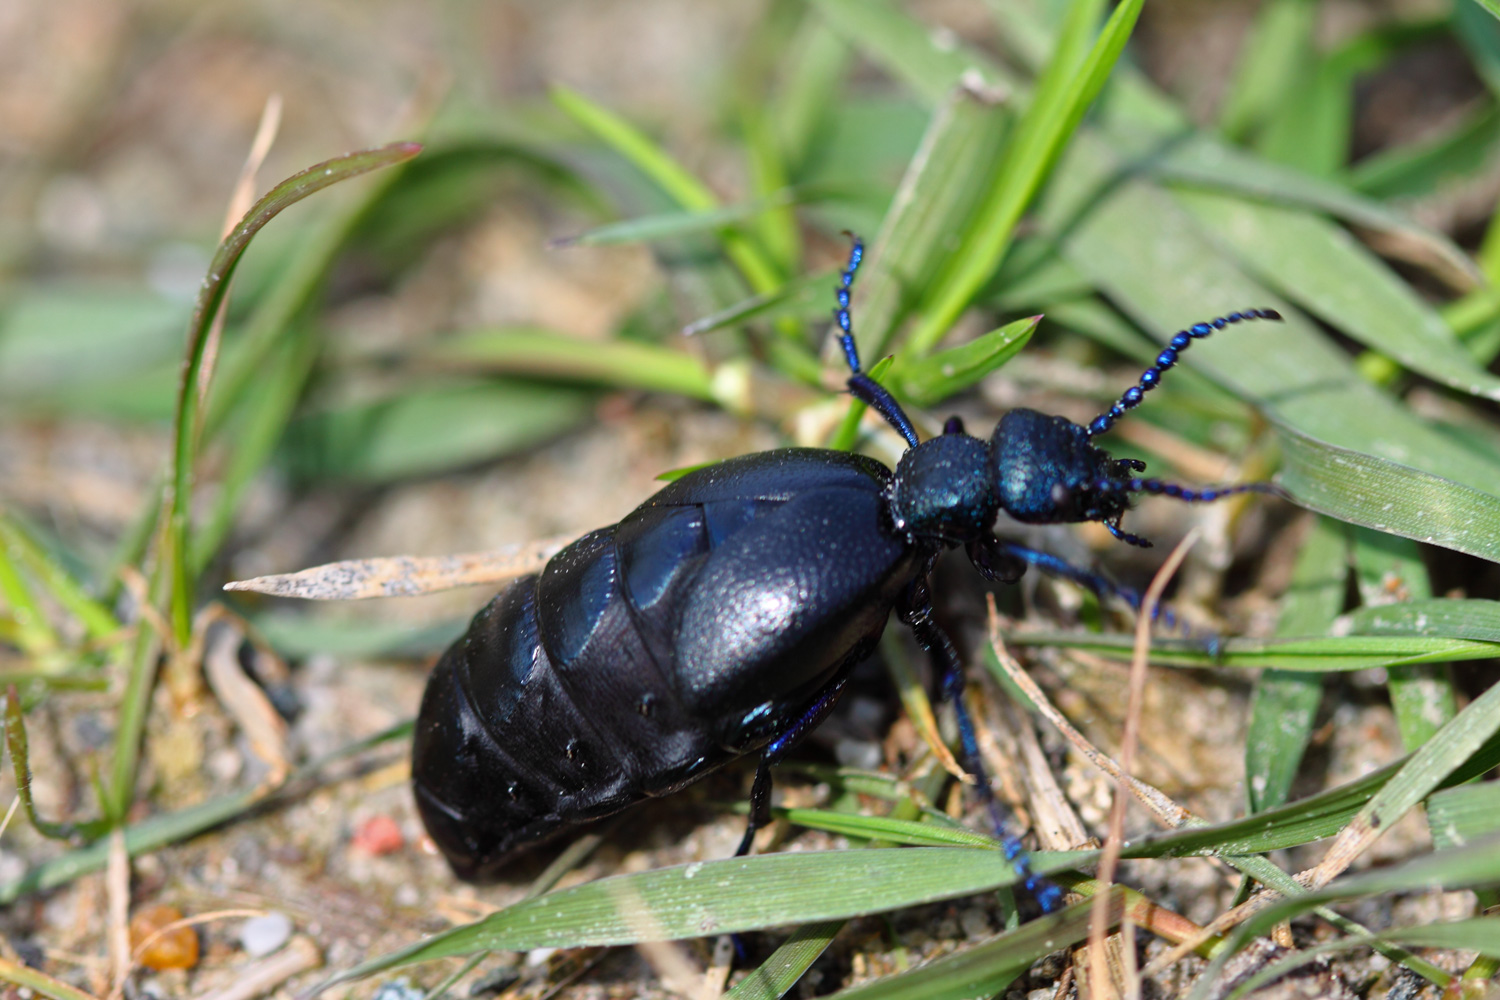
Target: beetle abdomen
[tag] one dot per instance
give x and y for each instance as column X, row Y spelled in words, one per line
column 627, row 668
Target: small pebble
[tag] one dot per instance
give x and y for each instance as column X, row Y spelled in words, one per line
column 378, row 835
column 176, row 949
column 865, row 755
column 262, row 935
column 399, row 989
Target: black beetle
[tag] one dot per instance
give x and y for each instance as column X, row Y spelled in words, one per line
column 723, row 616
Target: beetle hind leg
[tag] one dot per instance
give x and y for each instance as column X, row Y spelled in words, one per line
column 916, row 612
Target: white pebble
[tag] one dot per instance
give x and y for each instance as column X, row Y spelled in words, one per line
column 263, row 935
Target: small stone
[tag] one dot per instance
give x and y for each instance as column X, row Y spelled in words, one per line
column 262, row 935
column 399, row 989
column 975, row 922
column 176, row 949
column 378, row 835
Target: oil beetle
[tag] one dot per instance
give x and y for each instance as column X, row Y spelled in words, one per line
column 722, row 617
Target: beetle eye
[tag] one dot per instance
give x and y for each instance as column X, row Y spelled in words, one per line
column 1060, row 494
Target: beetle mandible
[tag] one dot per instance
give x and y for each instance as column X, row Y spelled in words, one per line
column 722, row 617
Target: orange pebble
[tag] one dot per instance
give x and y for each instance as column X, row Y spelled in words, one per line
column 378, row 835
column 176, row 949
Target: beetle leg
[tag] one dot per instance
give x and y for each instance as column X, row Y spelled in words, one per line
column 778, row 748
column 916, row 612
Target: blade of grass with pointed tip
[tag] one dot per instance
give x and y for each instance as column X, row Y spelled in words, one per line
column 669, row 225
column 1063, row 93
column 680, row 185
column 1320, row 267
column 717, row 897
column 936, row 377
column 1285, row 703
column 548, row 354
column 802, row 298
column 188, row 419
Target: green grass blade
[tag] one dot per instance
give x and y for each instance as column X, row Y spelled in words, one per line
column 548, row 354
column 939, row 193
column 1204, row 162
column 673, row 179
column 1459, row 815
column 31, row 632
column 1423, row 168
column 1320, row 267
column 429, row 428
column 187, row 422
column 988, row 968
column 671, row 225
column 1279, row 44
column 717, row 897
column 1285, row 703
column 811, row 85
column 1475, row 865
column 1063, row 94
column 938, row 376
column 801, row 298
column 893, row 831
column 263, row 417
column 1301, row 822
column 1378, row 493
column 1334, row 653
column 1390, row 569
column 1481, row 934
column 774, row 977
column 907, row 48
column 1452, row 618
column 19, row 544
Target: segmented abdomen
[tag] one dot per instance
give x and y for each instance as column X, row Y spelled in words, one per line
column 563, row 702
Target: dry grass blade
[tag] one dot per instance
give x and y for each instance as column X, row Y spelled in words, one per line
column 405, row 576
column 260, row 978
column 1099, row 924
column 1168, row 813
column 245, row 700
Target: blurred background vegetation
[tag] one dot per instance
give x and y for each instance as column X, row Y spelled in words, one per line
column 484, row 345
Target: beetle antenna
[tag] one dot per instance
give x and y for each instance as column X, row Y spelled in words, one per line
column 1151, row 377
column 862, row 386
column 1187, row 494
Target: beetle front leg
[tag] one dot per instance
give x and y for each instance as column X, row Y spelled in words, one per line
column 916, row 612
